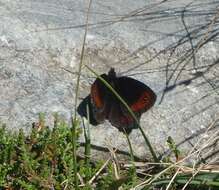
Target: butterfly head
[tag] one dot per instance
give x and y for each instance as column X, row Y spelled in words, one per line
column 111, row 74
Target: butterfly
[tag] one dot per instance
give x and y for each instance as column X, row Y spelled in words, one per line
column 103, row 104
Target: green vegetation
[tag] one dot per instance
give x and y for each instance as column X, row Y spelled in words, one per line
column 44, row 160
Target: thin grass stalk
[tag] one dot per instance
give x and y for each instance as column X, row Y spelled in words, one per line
column 99, row 171
column 74, row 120
column 196, row 181
column 129, row 110
column 74, row 148
column 81, row 60
column 172, row 180
column 149, row 144
column 87, row 150
column 191, row 178
column 131, row 151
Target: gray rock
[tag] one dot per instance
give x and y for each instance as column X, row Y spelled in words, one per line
column 172, row 46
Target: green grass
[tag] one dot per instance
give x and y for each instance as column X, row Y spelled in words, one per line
column 44, row 159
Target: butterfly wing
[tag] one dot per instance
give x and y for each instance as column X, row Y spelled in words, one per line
column 137, row 95
column 96, row 102
column 139, row 98
column 105, row 105
column 121, row 119
column 99, row 96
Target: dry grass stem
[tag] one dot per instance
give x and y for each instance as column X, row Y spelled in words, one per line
column 171, row 181
column 100, row 170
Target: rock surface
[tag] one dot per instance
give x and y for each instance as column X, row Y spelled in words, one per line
column 172, row 46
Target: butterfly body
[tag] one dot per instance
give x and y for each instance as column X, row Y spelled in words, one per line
column 105, row 105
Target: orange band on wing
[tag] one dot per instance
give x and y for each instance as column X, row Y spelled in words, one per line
column 96, row 96
column 145, row 101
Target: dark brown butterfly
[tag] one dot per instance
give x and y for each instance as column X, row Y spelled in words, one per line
column 103, row 104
